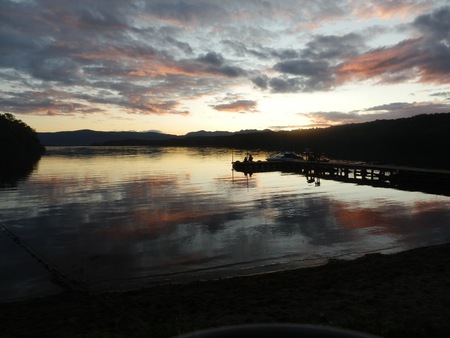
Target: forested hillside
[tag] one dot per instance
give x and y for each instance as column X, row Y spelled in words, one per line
column 20, row 148
column 422, row 141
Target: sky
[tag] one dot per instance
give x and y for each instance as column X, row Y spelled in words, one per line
column 177, row 66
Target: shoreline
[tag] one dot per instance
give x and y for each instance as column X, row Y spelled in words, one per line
column 405, row 294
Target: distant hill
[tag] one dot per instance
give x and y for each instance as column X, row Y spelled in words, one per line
column 88, row 137
column 422, row 140
column 203, row 133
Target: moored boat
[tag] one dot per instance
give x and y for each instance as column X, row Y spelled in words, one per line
column 286, row 156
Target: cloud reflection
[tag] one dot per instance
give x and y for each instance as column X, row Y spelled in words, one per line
column 122, row 217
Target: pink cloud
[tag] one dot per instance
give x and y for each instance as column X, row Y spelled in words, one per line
column 408, row 60
column 386, row 9
column 237, row 106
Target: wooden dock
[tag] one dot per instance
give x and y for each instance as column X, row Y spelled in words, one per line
column 405, row 178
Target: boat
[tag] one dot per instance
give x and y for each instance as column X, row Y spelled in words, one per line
column 285, row 156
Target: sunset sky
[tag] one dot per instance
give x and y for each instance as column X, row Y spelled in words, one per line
column 177, row 66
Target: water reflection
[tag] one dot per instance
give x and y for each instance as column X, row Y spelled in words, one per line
column 122, row 217
column 10, row 179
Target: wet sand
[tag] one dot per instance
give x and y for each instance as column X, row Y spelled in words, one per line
column 401, row 295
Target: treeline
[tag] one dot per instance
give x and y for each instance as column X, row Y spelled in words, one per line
column 20, row 148
column 420, row 141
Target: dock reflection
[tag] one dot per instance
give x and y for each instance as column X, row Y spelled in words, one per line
column 401, row 178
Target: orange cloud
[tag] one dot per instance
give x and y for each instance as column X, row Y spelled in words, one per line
column 237, row 106
column 401, row 58
column 158, row 69
column 389, row 9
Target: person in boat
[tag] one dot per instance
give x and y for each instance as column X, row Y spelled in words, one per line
column 250, row 158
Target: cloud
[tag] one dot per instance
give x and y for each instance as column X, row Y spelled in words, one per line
column 212, row 58
column 321, row 119
column 214, row 63
column 425, row 58
column 333, row 46
column 302, row 67
column 405, row 109
column 260, row 81
column 285, row 84
column 313, row 75
column 151, row 57
column 330, row 60
column 386, row 111
column 183, row 46
column 313, row 67
column 386, row 9
column 443, row 94
column 185, row 13
column 435, row 24
column 41, row 104
column 240, row 106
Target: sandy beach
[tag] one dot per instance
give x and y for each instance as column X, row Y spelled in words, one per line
column 401, row 295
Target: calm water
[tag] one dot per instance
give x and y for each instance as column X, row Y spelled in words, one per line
column 118, row 218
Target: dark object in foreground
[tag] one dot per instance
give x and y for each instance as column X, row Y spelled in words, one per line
column 277, row 330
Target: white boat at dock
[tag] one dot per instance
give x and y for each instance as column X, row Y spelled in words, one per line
column 286, row 156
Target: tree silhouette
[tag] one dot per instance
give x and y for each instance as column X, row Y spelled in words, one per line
column 20, row 147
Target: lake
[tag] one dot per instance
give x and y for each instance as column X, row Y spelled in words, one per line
column 118, row 218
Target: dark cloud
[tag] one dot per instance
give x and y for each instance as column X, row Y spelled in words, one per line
column 284, row 54
column 435, row 25
column 214, row 63
column 185, row 12
column 212, row 58
column 100, row 18
column 183, row 46
column 260, row 81
column 311, row 76
column 232, row 71
column 314, row 65
column 405, row 109
column 242, row 50
column 285, row 85
column 259, row 51
column 442, row 94
column 302, row 67
column 333, row 47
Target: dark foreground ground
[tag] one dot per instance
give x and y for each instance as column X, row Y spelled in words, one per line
column 401, row 295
